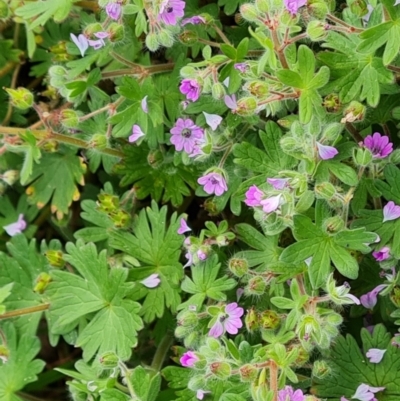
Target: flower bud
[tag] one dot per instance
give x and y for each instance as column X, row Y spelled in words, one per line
column 57, row 71
column 182, row 331
column 333, row 225
column 316, row 30
column 21, row 98
column 262, row 5
column 4, row 12
column 120, row 218
column 246, row 106
column 197, row 383
column 238, row 266
column 188, row 38
column 165, row 38
column 321, row 369
column 218, row 91
column 354, row 112
column 258, row 88
column 116, row 31
column 255, row 286
column 332, row 103
column 359, row 8
column 213, row 344
column 325, row 190
column 69, row 118
column 222, row 370
column 188, row 319
column 249, row 12
column 269, row 319
column 109, row 360
column 251, row 320
column 318, row 8
column 155, row 158
column 107, row 203
column 55, row 258
column 248, row 373
column 152, row 42
column 10, row 176
column 50, row 146
column 362, row 157
column 99, row 141
column 289, row 144
column 91, row 29
column 42, row 282
column 211, row 207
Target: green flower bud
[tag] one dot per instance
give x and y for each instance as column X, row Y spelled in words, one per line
column 354, row 112
column 55, row 258
column 69, row 118
column 258, row 88
column 316, row 30
column 251, row 320
column 109, row 360
column 255, row 286
column 4, row 353
column 213, row 344
column 211, row 207
column 182, row 331
column 248, row 373
column 333, row 225
column 10, row 176
column 289, row 144
column 20, row 98
column 246, row 106
column 287, row 121
column 362, row 157
column 334, row 319
column 188, row 319
column 262, row 5
column 152, row 41
column 155, row 158
column 91, row 29
column 59, row 48
column 99, row 141
column 107, row 203
column 189, row 72
column 321, row 369
column 165, row 38
column 192, row 339
column 197, row 382
column 50, row 146
column 238, row 266
column 269, row 319
column 325, row 190
column 218, row 91
column 188, row 38
column 120, row 218
column 116, row 31
column 222, row 370
column 42, row 282
column 359, row 8
column 318, row 8
column 332, row 103
column 4, row 11
column 249, row 12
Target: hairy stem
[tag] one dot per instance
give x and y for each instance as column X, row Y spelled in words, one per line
column 25, row 311
column 273, row 379
column 338, row 21
column 161, row 353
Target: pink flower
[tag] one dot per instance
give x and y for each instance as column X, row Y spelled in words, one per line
column 370, row 299
column 213, row 183
column 293, row 5
column 188, row 359
column 288, row 394
column 230, row 102
column 189, row 258
column 365, row 392
column 229, row 321
column 375, row 355
column 195, row 20
column 136, row 134
column 201, row 393
column 183, row 228
column 201, row 255
column 241, row 67
column 152, row 281
column 186, row 135
column 143, row 104
column 113, row 10
column 326, row 152
column 81, row 43
column 271, row 204
column 391, row 211
column 382, row 254
column 253, row 196
column 191, row 88
column 379, row 145
column 278, row 183
column 170, row 10
column 212, row 120
column 17, row 227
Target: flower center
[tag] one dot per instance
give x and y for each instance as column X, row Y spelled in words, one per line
column 169, row 9
column 186, row 133
column 214, row 181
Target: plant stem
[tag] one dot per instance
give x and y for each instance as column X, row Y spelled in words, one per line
column 94, row 113
column 278, row 49
column 25, row 311
column 7, row 68
column 209, row 42
column 143, row 71
column 161, row 353
column 273, row 379
column 222, row 35
column 126, row 372
column 90, row 5
column 353, row 132
column 352, row 29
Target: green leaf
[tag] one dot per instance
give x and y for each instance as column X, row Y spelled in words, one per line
column 290, row 78
column 344, row 172
column 229, row 51
column 391, row 188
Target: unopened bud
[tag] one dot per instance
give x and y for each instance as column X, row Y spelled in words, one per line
column 269, row 319
column 188, row 319
column 109, row 360
column 251, row 320
column 258, row 88
column 42, row 282
column 69, row 118
column 99, row 141
column 289, row 144
column 359, row 8
column 362, row 157
column 152, row 42
column 248, row 373
column 222, row 370
column 316, row 30
column 332, row 103
column 333, row 225
column 321, row 369
column 249, row 12
column 262, row 5
column 197, row 382
column 116, row 31
column 325, row 190
column 188, row 38
column 50, row 146
column 238, row 266
column 107, row 203
column 210, row 206
column 55, row 258
column 218, row 91
column 255, row 286
column 120, row 218
column 20, row 98
column 10, row 176
column 213, row 344
column 165, row 38
column 246, row 106
column 182, row 331
column 91, row 29
column 318, row 8
column 354, row 112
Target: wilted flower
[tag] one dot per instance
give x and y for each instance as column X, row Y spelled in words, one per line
column 17, row 227
column 113, row 10
column 271, row 204
column 379, row 145
column 229, row 321
column 288, row 394
column 81, row 42
column 191, row 88
column 97, row 44
column 370, row 299
column 326, row 152
column 170, row 10
column 195, row 20
column 382, row 254
column 136, row 134
column 375, row 355
column 293, row 5
column 365, row 392
column 391, row 211
column 185, row 135
column 253, row 196
column 143, row 104
column 278, row 183
column 188, row 359
column 212, row 120
column 213, row 183
column 183, row 228
column 152, row 281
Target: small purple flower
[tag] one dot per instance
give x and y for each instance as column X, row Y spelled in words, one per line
column 391, row 211
column 201, row 393
column 81, row 42
column 183, row 228
column 201, row 255
column 188, row 359
column 170, row 10
column 229, row 321
column 241, row 67
column 253, row 196
column 326, row 152
column 136, row 134
column 293, row 5
column 213, row 183
column 152, row 281
column 17, row 227
column 288, row 394
column 191, row 88
column 382, row 254
column 375, row 355
column 271, row 204
column 195, row 20
column 114, row 10
column 189, row 258
column 379, row 145
column 370, row 299
column 365, row 392
column 278, row 183
column 230, row 102
column 212, row 120
column 186, row 135
column 143, row 104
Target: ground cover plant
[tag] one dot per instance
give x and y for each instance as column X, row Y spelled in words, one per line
column 199, row 200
